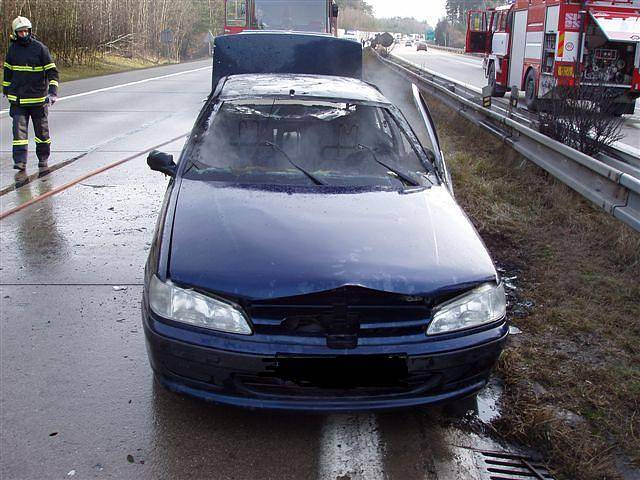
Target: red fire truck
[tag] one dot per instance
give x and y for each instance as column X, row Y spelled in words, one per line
column 537, row 45
column 319, row 16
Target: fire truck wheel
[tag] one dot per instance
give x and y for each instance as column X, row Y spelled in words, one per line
column 496, row 90
column 530, row 99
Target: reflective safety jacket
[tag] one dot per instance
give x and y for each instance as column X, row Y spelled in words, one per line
column 29, row 73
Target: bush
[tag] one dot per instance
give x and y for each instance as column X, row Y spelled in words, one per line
column 582, row 117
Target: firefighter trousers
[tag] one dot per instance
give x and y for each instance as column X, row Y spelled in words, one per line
column 38, row 116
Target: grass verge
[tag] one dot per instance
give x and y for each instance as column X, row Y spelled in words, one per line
column 105, row 66
column 573, row 377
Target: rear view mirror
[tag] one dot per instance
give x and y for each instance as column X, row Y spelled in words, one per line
column 162, row 162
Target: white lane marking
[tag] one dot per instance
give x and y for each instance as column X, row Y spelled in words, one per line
column 456, row 57
column 350, row 448
column 441, row 75
column 113, row 87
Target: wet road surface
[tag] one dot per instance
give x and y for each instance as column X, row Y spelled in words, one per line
column 131, row 109
column 77, row 394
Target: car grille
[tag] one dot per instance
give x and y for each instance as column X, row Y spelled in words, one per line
column 352, row 310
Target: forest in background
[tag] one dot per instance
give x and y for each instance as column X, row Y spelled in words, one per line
column 450, row 30
column 359, row 15
column 81, row 31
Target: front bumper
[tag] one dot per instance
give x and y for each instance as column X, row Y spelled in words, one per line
column 285, row 376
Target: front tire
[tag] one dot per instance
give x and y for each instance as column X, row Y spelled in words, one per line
column 530, row 98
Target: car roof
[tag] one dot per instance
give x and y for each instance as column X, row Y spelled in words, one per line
column 304, row 86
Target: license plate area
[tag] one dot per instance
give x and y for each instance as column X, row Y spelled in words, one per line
column 344, row 372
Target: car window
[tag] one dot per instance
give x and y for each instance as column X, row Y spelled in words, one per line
column 281, row 141
column 297, row 15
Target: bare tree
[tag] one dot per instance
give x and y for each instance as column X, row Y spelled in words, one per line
column 582, row 117
column 80, row 31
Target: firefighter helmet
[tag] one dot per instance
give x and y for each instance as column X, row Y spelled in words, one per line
column 19, row 23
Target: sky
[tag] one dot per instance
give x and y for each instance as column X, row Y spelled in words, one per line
column 429, row 10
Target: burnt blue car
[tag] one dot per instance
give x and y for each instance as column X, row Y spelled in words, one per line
column 309, row 255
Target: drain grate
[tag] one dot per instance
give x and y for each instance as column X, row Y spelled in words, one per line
column 507, row 466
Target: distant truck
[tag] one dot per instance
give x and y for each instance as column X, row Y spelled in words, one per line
column 318, row 16
column 538, row 45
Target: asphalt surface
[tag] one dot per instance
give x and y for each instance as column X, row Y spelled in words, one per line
column 468, row 69
column 77, row 395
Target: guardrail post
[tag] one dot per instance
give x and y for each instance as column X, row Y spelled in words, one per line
column 486, row 96
column 513, row 98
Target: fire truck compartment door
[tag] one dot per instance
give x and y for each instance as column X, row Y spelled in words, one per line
column 477, row 32
column 499, row 43
column 618, row 28
column 518, row 43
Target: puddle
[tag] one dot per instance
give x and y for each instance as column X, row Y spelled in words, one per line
column 488, row 408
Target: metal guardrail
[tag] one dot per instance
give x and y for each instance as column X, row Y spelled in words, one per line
column 446, row 49
column 611, row 181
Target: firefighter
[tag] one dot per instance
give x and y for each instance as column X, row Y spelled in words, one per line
column 31, row 85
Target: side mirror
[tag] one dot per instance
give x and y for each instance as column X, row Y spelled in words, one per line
column 162, row 162
column 334, row 10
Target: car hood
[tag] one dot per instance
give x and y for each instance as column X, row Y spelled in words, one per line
column 259, row 243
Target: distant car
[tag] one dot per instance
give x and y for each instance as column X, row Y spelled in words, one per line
column 310, row 255
column 351, row 37
column 408, row 43
column 421, row 46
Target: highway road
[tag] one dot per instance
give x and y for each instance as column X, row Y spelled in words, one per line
column 78, row 398
column 468, row 70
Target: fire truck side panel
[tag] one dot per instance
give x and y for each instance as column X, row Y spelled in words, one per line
column 552, row 21
column 499, row 43
column 518, row 42
column 550, row 41
column 533, row 48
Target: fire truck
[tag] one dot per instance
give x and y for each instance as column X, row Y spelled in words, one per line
column 539, row 45
column 320, row 16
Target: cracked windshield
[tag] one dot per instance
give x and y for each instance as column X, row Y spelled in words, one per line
column 308, row 142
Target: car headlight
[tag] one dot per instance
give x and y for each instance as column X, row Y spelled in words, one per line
column 481, row 305
column 187, row 306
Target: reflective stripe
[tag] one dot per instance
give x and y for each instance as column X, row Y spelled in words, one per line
column 49, row 66
column 53, row 82
column 12, row 97
column 48, row 140
column 26, row 68
column 20, row 142
column 6, row 84
column 26, row 101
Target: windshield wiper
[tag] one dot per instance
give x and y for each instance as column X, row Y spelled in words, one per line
column 406, row 178
column 311, row 177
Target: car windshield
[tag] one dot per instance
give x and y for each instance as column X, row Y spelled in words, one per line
column 299, row 15
column 298, row 142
